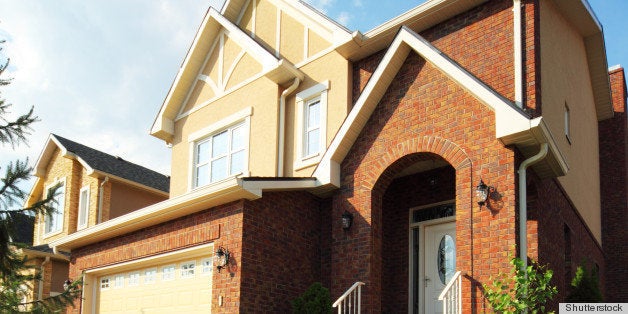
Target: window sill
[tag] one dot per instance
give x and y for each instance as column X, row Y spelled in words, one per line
column 307, row 162
column 237, row 175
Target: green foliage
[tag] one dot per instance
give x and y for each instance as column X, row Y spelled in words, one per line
column 585, row 286
column 521, row 290
column 315, row 300
column 16, row 276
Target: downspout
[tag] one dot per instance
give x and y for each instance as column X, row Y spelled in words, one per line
column 101, row 191
column 518, row 52
column 282, row 124
column 40, row 288
column 523, row 203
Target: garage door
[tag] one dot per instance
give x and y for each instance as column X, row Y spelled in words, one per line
column 172, row 286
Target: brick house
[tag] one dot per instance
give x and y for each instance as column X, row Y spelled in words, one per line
column 93, row 187
column 285, row 127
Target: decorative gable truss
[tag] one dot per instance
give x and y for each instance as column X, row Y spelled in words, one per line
column 221, row 59
column 512, row 125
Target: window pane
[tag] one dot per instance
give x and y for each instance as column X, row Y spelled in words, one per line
column 219, row 169
column 313, row 142
column 202, row 152
column 313, row 114
column 237, row 162
column 238, row 138
column 202, row 175
column 219, row 144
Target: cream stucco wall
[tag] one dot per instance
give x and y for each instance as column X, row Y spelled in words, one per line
column 565, row 81
column 260, row 94
column 331, row 67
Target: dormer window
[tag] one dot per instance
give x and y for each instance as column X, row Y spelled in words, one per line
column 311, row 125
column 54, row 222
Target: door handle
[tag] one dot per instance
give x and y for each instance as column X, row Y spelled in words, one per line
column 427, row 281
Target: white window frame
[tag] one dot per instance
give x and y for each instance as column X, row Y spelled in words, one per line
column 168, row 275
column 150, row 276
column 83, row 208
column 60, row 208
column 205, row 135
column 303, row 100
column 134, row 279
column 186, row 271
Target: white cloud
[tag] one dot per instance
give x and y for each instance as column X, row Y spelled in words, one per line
column 358, row 3
column 344, row 18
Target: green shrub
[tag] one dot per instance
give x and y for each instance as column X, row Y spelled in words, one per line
column 585, row 286
column 520, row 290
column 315, row 300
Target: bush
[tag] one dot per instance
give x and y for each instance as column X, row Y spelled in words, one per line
column 585, row 286
column 521, row 290
column 315, row 300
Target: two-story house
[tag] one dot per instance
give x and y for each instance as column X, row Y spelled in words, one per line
column 437, row 145
column 90, row 187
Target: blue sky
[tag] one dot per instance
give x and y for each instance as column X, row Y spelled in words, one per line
column 98, row 71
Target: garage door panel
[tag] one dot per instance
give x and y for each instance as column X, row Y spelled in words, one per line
column 158, row 289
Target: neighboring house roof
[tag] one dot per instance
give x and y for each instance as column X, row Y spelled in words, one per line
column 96, row 161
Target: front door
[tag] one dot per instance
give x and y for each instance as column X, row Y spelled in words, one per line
column 439, row 258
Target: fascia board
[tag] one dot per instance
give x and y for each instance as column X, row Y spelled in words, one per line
column 213, row 195
column 45, row 155
column 508, row 119
column 100, row 174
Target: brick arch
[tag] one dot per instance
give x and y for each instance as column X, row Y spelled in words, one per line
column 393, row 161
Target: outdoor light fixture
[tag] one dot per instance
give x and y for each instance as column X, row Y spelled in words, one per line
column 482, row 192
column 221, row 259
column 347, row 220
column 66, row 284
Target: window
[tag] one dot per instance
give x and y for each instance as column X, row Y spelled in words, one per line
column 104, row 283
column 83, row 208
column 207, row 266
column 167, row 273
column 134, row 279
column 54, row 222
column 311, row 125
column 567, row 124
column 118, row 281
column 221, row 155
column 187, row 269
column 150, row 276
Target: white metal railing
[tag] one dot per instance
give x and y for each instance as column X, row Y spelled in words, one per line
column 452, row 295
column 350, row 301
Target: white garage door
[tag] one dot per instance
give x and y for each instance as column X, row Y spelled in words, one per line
column 174, row 286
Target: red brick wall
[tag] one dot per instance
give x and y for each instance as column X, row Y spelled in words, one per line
column 424, row 111
column 554, row 214
column 221, row 225
column 281, row 252
column 614, row 188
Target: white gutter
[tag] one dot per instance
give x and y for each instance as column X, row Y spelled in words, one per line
column 518, row 51
column 40, row 288
column 523, row 203
column 282, row 124
column 101, row 191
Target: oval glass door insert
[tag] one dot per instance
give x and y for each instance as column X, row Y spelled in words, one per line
column 446, row 259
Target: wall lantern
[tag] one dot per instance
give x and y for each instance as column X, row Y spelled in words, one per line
column 347, row 220
column 67, row 284
column 482, row 192
column 221, row 258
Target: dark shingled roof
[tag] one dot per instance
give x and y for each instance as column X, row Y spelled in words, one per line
column 116, row 166
column 23, row 225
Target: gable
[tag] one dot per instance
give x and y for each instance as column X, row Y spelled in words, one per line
column 512, row 126
column 291, row 30
column 222, row 58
